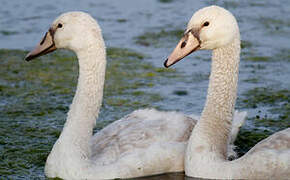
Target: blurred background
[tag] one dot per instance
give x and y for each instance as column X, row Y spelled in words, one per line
column 139, row 35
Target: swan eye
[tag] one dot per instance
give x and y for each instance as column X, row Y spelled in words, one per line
column 206, row 23
column 59, row 25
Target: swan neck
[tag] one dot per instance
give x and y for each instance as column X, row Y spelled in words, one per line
column 218, row 112
column 210, row 136
column 73, row 145
column 71, row 154
column 89, row 93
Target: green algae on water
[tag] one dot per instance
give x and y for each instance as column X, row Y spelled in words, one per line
column 246, row 139
column 274, row 25
column 258, row 58
column 165, row 1
column 159, row 39
column 121, row 20
column 252, row 80
column 273, row 101
column 246, row 44
column 8, row 33
column 266, row 96
column 35, row 97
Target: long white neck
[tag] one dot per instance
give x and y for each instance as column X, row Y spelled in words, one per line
column 88, row 98
column 72, row 149
column 208, row 142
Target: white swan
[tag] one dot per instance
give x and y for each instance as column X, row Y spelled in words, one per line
column 146, row 142
column 216, row 29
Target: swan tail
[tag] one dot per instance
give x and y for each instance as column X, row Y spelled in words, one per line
column 193, row 116
column 238, row 121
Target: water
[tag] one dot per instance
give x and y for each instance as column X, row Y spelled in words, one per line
column 265, row 59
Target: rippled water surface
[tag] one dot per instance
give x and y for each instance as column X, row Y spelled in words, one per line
column 139, row 34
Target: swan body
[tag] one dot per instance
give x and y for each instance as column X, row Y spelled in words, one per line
column 145, row 142
column 216, row 29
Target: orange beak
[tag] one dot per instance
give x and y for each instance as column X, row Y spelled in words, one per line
column 45, row 46
column 188, row 44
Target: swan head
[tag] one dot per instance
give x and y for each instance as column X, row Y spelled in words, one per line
column 209, row 28
column 73, row 31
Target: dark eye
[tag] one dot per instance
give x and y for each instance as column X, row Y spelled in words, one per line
column 206, row 23
column 59, row 25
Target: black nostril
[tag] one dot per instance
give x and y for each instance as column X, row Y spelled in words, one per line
column 183, row 44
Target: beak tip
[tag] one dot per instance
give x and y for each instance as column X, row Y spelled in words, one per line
column 44, row 47
column 27, row 57
column 165, row 63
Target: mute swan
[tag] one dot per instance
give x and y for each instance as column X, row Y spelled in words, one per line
column 145, row 142
column 216, row 29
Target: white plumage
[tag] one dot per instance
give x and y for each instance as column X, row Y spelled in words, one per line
column 146, row 142
column 216, row 29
